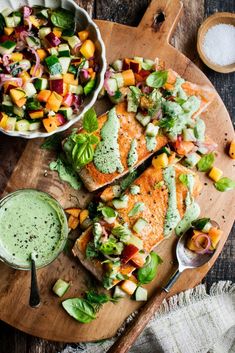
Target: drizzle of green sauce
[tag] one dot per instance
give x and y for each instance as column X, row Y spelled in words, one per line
column 132, row 157
column 107, row 155
column 66, row 173
column 151, row 143
column 172, row 214
column 192, row 209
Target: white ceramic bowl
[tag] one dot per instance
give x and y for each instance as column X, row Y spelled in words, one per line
column 84, row 22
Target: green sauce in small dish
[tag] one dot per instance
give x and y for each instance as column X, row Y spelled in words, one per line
column 31, row 221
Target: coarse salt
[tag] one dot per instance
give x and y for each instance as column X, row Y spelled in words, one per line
column 219, row 44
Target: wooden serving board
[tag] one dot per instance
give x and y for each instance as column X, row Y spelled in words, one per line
column 50, row 321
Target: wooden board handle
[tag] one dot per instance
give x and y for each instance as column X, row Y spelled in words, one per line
column 124, row 343
column 161, row 17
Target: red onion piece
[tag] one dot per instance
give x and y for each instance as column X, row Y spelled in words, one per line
column 5, row 59
column 37, row 65
column 77, row 47
column 27, row 11
column 108, row 74
column 23, row 35
column 202, row 250
column 29, row 23
column 85, row 73
column 4, row 79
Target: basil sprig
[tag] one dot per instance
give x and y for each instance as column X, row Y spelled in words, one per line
column 147, row 273
column 225, row 184
column 206, row 162
column 63, row 19
column 83, row 143
column 157, row 79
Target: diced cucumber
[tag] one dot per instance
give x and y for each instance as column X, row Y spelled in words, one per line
column 41, row 83
column 134, row 240
column 7, row 107
column 117, row 97
column 119, row 78
column 147, row 64
column 63, row 50
column 18, row 111
column 75, row 89
column 53, row 65
column 6, row 12
column 117, row 65
column 34, row 125
column 64, row 62
column 60, row 287
column 132, row 103
column 10, row 22
column 53, row 51
column 25, row 64
column 43, row 14
column 33, row 42
column 119, row 293
column 86, row 64
column 43, row 32
column 143, row 119
column 188, row 135
column 29, row 89
column 116, row 190
column 66, row 111
column 11, row 123
column 199, row 130
column 139, row 59
column 22, row 125
column 140, row 225
column 141, row 294
column 134, row 189
column 122, row 202
column 112, row 84
column 151, row 130
column 192, row 159
column 7, row 47
column 73, row 41
column 207, row 227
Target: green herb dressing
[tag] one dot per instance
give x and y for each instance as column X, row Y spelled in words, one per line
column 178, row 90
column 172, row 214
column 151, row 143
column 200, row 129
column 132, row 157
column 31, row 221
column 107, row 154
column 66, row 173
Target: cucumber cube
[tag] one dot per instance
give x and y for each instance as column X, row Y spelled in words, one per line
column 43, row 32
column 7, row 47
column 34, row 125
column 10, row 22
column 6, row 12
column 141, row 294
column 11, row 122
column 73, row 41
column 140, row 225
column 188, row 135
column 22, row 125
column 119, row 78
column 18, row 111
column 119, row 293
column 121, row 203
column 75, row 89
column 53, row 51
column 41, row 83
column 134, row 240
column 64, row 62
column 67, row 112
column 53, row 65
column 29, row 89
column 63, row 50
column 192, row 159
column 60, row 287
column 117, row 65
column 151, row 130
column 143, row 119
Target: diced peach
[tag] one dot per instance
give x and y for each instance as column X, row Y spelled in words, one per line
column 84, row 214
column 25, row 76
column 37, row 73
column 73, row 222
column 68, row 100
column 16, row 56
column 42, row 54
column 21, row 102
column 8, row 30
column 54, row 102
column 88, row 49
column 73, row 211
column 138, row 259
column 128, row 78
column 128, row 252
column 8, row 86
column 70, row 79
column 232, row 149
column 36, row 114
column 183, row 147
column 215, row 236
column 43, row 95
column 3, row 120
column 57, row 32
column 16, row 94
column 83, row 35
column 49, row 124
column 128, row 286
column 59, row 119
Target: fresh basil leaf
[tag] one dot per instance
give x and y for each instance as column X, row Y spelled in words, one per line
column 82, row 155
column 91, row 251
column 111, row 246
column 128, row 180
column 107, row 211
column 199, row 224
column 89, row 87
column 157, row 79
column 52, row 142
column 147, row 273
column 225, row 184
column 66, row 173
column 138, row 207
column 184, row 179
column 206, row 162
column 80, row 138
column 135, row 94
column 90, row 121
column 180, row 101
column 122, row 232
column 80, row 309
column 63, row 18
column 93, row 139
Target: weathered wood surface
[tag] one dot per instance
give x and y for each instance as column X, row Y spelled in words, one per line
column 129, row 12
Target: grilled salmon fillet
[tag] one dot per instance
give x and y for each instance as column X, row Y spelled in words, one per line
column 129, row 129
column 156, row 200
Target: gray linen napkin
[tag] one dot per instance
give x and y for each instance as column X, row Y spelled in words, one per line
column 190, row 322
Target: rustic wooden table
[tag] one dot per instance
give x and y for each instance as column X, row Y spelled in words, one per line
column 130, row 12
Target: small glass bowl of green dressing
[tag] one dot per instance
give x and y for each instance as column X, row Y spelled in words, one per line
column 31, row 221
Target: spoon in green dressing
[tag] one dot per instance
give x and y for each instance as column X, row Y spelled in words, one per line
column 34, row 299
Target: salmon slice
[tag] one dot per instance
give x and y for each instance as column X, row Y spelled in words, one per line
column 129, row 129
column 155, row 201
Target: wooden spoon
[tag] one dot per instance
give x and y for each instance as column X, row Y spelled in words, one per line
column 186, row 260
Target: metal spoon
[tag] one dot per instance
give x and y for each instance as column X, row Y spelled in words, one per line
column 34, row 299
column 187, row 259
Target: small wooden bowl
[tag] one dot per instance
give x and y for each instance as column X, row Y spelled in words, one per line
column 217, row 18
